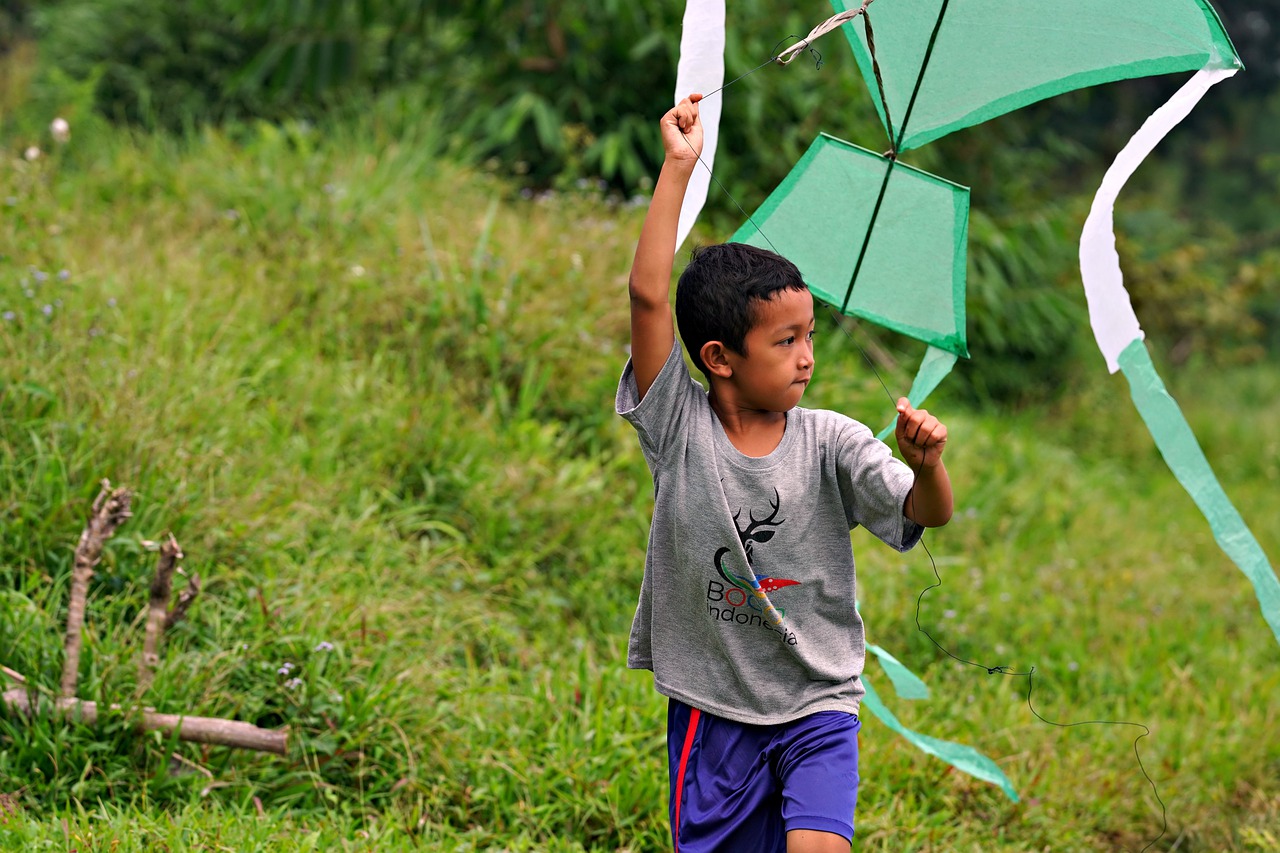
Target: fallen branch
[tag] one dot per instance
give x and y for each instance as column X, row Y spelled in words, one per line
column 110, row 509
column 157, row 613
column 196, row 729
column 185, row 598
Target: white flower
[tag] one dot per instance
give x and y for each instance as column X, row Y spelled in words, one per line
column 32, row 153
column 60, row 129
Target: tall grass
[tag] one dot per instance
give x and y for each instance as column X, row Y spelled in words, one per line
column 370, row 392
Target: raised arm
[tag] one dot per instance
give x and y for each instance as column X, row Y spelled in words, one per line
column 921, row 439
column 652, row 329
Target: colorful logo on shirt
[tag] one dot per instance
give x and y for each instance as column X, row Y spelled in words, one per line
column 745, row 600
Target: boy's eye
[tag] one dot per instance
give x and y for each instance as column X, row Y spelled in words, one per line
column 788, row 341
column 810, row 335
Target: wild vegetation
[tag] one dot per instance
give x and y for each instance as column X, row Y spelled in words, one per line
column 368, row 386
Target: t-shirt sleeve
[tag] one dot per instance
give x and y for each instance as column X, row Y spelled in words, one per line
column 874, row 485
column 658, row 417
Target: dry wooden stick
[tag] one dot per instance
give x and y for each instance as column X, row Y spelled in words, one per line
column 197, row 729
column 157, row 612
column 188, row 595
column 110, row 509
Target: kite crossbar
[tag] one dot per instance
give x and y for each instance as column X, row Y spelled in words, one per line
column 822, row 29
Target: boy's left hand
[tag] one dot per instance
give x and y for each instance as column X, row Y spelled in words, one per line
column 921, row 436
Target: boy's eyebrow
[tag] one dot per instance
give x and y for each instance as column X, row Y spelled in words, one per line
column 785, row 327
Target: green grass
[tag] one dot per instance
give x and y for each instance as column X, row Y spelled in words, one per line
column 370, row 394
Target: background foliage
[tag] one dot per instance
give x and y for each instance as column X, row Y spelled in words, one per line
column 293, row 282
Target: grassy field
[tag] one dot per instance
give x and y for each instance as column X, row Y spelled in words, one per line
column 370, row 394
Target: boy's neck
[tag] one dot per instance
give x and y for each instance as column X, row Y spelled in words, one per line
column 752, row 431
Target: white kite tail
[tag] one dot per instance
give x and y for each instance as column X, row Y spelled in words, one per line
column 1120, row 338
column 701, row 70
column 1115, row 326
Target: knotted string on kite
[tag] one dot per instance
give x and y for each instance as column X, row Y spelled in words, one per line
column 822, row 29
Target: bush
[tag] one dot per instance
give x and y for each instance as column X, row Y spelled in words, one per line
column 172, row 65
column 13, row 21
column 156, row 64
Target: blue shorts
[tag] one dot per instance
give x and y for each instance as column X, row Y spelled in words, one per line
column 737, row 787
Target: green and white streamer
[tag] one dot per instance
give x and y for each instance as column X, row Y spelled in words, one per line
column 907, row 684
column 1182, row 452
column 958, row 755
column 1119, row 337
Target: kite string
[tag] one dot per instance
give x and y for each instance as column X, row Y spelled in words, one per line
column 991, row 670
column 772, row 59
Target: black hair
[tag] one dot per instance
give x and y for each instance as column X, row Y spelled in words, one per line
column 718, row 292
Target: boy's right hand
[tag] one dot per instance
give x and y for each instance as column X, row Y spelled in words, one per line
column 682, row 130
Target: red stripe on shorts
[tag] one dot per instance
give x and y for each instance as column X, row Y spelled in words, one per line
column 694, row 715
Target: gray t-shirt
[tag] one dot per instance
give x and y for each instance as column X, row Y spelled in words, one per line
column 746, row 609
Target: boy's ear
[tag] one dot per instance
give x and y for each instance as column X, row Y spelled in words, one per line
column 715, row 356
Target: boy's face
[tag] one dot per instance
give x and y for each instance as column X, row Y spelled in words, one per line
column 774, row 373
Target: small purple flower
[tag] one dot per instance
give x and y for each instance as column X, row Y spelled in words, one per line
column 9, row 315
column 293, row 684
column 63, row 275
column 285, row 670
column 323, row 646
column 40, row 275
column 47, row 310
column 111, row 303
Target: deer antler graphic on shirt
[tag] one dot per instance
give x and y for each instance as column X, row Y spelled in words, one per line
column 750, row 534
column 757, row 530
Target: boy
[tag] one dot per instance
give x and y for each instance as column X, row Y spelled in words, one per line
column 746, row 614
